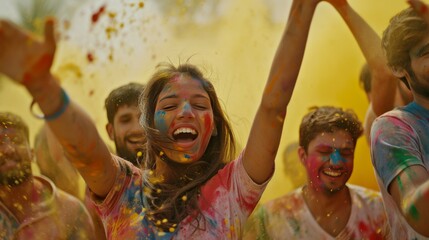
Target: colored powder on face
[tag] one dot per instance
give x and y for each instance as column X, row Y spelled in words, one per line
column 325, row 158
column 207, row 125
column 187, row 107
column 160, row 123
column 336, row 157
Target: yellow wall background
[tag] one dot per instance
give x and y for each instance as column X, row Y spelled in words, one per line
column 233, row 41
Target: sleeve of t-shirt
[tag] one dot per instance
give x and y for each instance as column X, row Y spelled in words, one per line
column 237, row 184
column 394, row 147
column 248, row 191
column 123, row 179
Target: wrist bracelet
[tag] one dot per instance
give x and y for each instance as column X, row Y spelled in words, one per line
column 65, row 102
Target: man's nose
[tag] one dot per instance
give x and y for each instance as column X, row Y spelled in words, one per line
column 136, row 127
column 336, row 158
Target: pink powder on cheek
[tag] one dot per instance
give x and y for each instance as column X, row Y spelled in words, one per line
column 173, row 125
column 313, row 171
column 208, row 123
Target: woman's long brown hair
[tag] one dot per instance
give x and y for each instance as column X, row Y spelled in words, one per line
column 168, row 203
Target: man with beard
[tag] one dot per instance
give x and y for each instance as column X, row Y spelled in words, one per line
column 123, row 125
column 400, row 138
column 326, row 207
column 31, row 207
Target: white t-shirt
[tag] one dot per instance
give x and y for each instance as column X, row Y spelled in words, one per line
column 289, row 217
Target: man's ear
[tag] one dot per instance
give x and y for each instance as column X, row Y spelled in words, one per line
column 109, row 129
column 399, row 72
column 302, row 154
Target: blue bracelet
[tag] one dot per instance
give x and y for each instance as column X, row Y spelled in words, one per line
column 66, row 101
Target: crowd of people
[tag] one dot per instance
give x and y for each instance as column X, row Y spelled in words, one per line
column 175, row 173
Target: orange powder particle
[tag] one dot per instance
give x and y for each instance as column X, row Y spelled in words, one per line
column 96, row 16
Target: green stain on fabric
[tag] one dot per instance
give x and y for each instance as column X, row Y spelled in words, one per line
column 261, row 217
column 295, row 225
column 401, row 186
column 414, row 212
column 401, row 156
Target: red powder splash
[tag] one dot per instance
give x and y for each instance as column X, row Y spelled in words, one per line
column 90, row 57
column 96, row 16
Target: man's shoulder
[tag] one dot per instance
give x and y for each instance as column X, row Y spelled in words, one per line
column 397, row 118
column 288, row 202
column 400, row 113
column 363, row 190
column 366, row 194
column 394, row 113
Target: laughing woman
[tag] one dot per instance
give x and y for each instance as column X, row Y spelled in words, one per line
column 190, row 187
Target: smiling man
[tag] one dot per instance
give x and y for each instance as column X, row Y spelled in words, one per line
column 400, row 138
column 123, row 126
column 326, row 207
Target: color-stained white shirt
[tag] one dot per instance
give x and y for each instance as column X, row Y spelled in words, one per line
column 226, row 201
column 289, row 217
column 399, row 139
